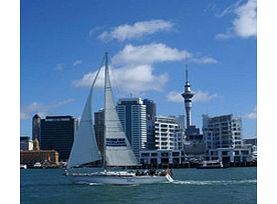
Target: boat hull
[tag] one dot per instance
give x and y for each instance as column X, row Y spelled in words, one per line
column 118, row 179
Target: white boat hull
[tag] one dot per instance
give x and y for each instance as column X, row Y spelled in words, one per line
column 116, row 179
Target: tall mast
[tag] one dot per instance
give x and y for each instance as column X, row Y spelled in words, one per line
column 104, row 143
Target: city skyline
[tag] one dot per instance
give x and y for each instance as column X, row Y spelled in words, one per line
column 60, row 53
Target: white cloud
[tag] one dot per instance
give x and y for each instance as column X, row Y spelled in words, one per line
column 132, row 68
column 149, row 54
column 31, row 109
column 223, row 36
column 245, row 23
column 175, row 96
column 77, row 62
column 205, row 60
column 203, row 96
column 41, row 109
column 252, row 115
column 200, row 96
column 134, row 79
column 67, row 101
column 228, row 10
column 137, row 30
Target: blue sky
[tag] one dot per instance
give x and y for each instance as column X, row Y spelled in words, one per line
column 63, row 43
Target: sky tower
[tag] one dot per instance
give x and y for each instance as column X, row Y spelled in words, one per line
column 187, row 95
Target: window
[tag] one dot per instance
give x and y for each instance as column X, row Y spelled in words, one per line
column 144, row 154
column 175, row 153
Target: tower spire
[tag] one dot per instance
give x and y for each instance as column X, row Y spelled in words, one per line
column 187, row 95
column 187, row 74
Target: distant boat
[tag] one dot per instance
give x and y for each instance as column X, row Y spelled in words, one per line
column 23, row 166
column 213, row 164
column 37, row 165
column 117, row 149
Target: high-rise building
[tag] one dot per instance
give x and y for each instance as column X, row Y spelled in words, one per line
column 166, row 133
column 222, row 131
column 150, row 109
column 36, row 123
column 150, row 120
column 132, row 114
column 57, row 133
column 99, row 126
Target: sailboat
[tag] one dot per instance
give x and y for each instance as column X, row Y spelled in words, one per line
column 117, row 151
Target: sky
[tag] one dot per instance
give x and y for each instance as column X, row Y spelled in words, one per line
column 62, row 44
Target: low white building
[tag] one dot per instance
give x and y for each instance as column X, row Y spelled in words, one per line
column 157, row 157
column 230, row 154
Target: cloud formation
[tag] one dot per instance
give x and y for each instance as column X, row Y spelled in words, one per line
column 135, row 31
column 41, row 109
column 252, row 115
column 132, row 68
column 134, row 79
column 148, row 54
column 200, row 96
column 204, row 60
column 245, row 23
column 77, row 62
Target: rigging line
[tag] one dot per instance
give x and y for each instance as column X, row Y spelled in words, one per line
column 115, row 84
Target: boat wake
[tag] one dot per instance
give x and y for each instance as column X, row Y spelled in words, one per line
column 95, row 184
column 223, row 182
column 90, row 184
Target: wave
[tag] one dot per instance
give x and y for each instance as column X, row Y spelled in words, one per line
column 222, row 182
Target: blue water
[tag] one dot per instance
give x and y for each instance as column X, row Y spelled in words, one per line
column 197, row 186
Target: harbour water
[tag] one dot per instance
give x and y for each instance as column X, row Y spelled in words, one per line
column 191, row 186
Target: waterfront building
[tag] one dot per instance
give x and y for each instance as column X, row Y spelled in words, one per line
column 57, row 133
column 99, row 126
column 166, row 128
column 194, row 141
column 42, row 156
column 26, row 143
column 223, row 139
column 251, row 141
column 179, row 139
column 150, row 121
column 227, row 155
column 157, row 157
column 222, row 131
column 132, row 115
column 36, row 127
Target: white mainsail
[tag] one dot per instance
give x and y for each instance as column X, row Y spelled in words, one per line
column 118, row 150
column 84, row 148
